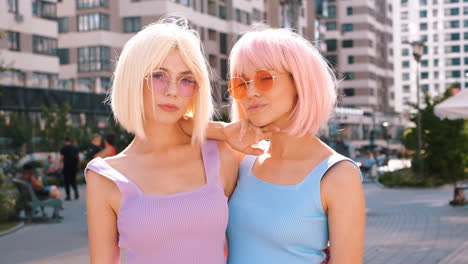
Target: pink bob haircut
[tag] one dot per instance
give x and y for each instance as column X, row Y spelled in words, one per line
column 282, row 50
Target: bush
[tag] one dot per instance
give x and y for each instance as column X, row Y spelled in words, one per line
column 8, row 199
column 407, row 178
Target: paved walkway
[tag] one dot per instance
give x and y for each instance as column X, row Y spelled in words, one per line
column 403, row 226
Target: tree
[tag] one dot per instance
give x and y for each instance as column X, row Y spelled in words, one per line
column 445, row 142
column 56, row 125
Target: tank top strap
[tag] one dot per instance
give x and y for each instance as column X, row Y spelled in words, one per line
column 329, row 162
column 245, row 168
column 210, row 156
column 101, row 167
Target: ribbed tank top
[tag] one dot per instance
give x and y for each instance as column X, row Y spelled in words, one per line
column 271, row 223
column 186, row 227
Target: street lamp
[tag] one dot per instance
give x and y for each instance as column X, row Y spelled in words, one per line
column 418, row 47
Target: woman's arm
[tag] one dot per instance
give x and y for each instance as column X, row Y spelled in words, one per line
column 343, row 201
column 102, row 219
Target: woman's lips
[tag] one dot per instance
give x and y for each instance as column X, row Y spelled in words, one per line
column 255, row 107
column 168, row 107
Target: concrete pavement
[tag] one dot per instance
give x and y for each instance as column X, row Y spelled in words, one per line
column 403, row 226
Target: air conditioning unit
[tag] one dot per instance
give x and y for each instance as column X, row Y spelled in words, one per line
column 18, row 17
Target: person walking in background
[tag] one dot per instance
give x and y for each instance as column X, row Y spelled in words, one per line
column 95, row 147
column 109, row 147
column 69, row 162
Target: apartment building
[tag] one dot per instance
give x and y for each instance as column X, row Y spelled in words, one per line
column 443, row 27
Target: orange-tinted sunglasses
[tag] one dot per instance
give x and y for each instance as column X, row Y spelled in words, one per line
column 263, row 80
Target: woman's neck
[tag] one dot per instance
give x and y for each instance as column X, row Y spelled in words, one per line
column 284, row 146
column 160, row 138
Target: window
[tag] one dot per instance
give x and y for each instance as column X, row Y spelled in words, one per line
column 64, row 56
column 347, row 27
column 423, row 13
column 84, row 4
column 14, row 41
column 256, row 14
column 348, row 43
column 212, row 7
column 453, row 74
column 350, row 59
column 465, row 35
column 455, row 36
column 424, row 75
column 330, row 26
column 454, row 61
column 436, row 62
column 423, row 26
column 453, row 49
column 436, row 75
column 332, row 60
column 85, row 84
column 186, row 2
column 425, row 87
column 92, row 59
column 331, row 11
column 91, row 22
column 213, row 61
column 424, row 63
column 452, row 11
column 222, row 43
column 424, row 38
column 405, row 76
column 349, row 11
column 238, row 15
column 405, row 64
column 465, row 48
column 222, row 12
column 465, row 23
column 44, row 9
column 63, row 24
column 224, row 69
column 331, row 44
column 466, row 61
column 105, row 83
column 423, row 2
column 406, row 88
column 13, row 6
column 211, row 34
column 405, row 52
column 44, row 45
column 39, row 80
column 132, row 24
column 348, row 76
column 404, row 15
column 348, row 91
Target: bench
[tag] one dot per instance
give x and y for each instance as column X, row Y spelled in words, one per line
column 459, row 195
column 34, row 204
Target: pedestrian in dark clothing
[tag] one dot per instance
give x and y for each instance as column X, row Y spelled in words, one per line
column 69, row 162
column 95, row 147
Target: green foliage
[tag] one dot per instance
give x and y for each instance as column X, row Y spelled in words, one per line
column 408, row 178
column 18, row 131
column 8, row 199
column 56, row 125
column 445, row 142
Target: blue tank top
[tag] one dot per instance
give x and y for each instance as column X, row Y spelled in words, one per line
column 271, row 223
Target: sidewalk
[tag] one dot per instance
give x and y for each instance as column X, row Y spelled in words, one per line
column 403, row 226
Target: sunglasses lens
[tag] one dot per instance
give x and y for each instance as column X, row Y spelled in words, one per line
column 237, row 88
column 263, row 80
column 187, row 86
column 159, row 81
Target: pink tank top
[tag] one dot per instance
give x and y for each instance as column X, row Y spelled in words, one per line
column 186, row 227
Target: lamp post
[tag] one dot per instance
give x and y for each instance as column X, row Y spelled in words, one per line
column 387, row 135
column 418, row 47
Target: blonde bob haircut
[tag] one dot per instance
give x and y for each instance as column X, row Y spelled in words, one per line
column 144, row 53
column 282, row 50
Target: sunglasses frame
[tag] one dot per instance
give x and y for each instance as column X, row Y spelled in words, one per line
column 248, row 82
column 169, row 81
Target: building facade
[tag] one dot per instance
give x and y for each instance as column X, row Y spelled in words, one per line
column 443, row 27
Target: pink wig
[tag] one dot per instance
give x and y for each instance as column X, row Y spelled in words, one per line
column 282, row 50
